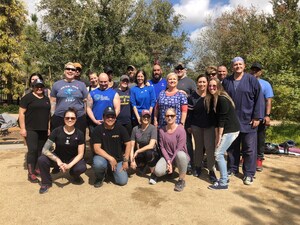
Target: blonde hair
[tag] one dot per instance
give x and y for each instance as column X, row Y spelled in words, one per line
column 171, row 109
column 70, row 64
column 209, row 98
column 172, row 74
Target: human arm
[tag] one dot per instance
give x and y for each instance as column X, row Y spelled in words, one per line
column 53, row 105
column 22, row 122
column 132, row 159
column 117, row 104
column 155, row 121
column 267, row 118
column 99, row 151
column 90, row 111
column 126, row 155
column 77, row 158
column 136, row 113
column 147, row 147
column 46, row 151
column 181, row 141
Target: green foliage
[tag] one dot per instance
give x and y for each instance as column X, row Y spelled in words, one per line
column 284, row 132
column 9, row 109
column 12, row 22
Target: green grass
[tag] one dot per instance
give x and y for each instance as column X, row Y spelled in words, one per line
column 285, row 131
column 9, row 109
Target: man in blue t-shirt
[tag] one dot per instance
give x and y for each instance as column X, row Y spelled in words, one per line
column 256, row 70
column 157, row 82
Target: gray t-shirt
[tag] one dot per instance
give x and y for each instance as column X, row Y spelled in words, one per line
column 142, row 138
column 69, row 94
column 187, row 84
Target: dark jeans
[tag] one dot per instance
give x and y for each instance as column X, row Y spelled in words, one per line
column 249, row 153
column 35, row 140
column 261, row 138
column 189, row 145
column 45, row 163
column 81, row 123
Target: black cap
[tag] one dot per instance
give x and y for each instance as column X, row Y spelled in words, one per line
column 256, row 65
column 180, row 66
column 108, row 69
column 109, row 111
column 38, row 82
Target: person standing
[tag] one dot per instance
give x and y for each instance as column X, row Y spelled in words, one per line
column 141, row 97
column 125, row 114
column 68, row 93
column 94, row 81
column 256, row 70
column 31, row 79
column 34, row 115
column 247, row 96
column 109, row 71
column 131, row 72
column 101, row 98
column 227, row 127
column 211, row 72
column 112, row 149
column 68, row 153
column 157, row 82
column 222, row 73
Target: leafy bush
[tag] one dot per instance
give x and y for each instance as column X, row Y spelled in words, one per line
column 9, row 109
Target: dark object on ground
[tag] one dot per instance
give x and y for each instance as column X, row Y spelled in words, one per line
column 271, row 148
column 287, row 145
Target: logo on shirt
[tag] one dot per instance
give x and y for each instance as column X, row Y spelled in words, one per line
column 69, row 94
column 115, row 136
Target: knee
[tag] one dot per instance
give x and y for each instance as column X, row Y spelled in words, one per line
column 122, row 181
column 43, row 160
column 181, row 155
column 99, row 162
column 159, row 172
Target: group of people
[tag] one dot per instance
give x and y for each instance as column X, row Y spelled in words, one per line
column 138, row 123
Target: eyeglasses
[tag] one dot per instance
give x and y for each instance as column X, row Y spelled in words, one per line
column 213, row 74
column 125, row 81
column 146, row 117
column 70, row 118
column 72, row 69
column 172, row 116
column 213, row 86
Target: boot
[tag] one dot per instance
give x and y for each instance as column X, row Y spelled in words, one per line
column 31, row 176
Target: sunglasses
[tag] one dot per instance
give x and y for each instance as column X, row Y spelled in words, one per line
column 72, row 69
column 70, row 118
column 213, row 86
column 146, row 117
column 111, row 116
column 172, row 116
column 213, row 74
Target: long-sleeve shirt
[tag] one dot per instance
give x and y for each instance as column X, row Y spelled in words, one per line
column 171, row 143
column 142, row 98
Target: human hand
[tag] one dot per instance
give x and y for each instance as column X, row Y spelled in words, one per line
column 113, row 163
column 23, row 132
column 255, row 123
column 124, row 166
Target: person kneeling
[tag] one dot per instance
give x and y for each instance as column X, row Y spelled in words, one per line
column 109, row 139
column 68, row 153
column 172, row 142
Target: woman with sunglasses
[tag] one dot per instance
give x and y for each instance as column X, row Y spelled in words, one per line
column 171, row 98
column 201, row 124
column 227, row 129
column 68, row 93
column 34, row 115
column 68, row 153
column 172, row 142
column 143, row 145
column 31, row 79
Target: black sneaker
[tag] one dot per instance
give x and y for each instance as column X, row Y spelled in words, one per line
column 78, row 180
column 153, row 179
column 189, row 170
column 231, row 173
column 197, row 172
column 180, row 184
column 212, row 177
column 218, row 186
column 98, row 182
column 44, row 189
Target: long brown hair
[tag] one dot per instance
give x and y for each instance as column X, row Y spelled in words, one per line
column 209, row 98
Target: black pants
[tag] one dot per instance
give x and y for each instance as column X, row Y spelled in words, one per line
column 149, row 157
column 35, row 140
column 261, row 138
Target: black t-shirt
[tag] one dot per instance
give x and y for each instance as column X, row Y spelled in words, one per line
column 37, row 112
column 112, row 141
column 124, row 116
column 66, row 145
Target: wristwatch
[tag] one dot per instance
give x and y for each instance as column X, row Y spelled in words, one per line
column 125, row 159
column 268, row 115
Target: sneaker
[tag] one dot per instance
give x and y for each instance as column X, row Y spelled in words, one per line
column 218, row 186
column 231, row 173
column 212, row 176
column 78, row 180
column 248, row 180
column 180, row 184
column 153, row 179
column 44, row 189
column 197, row 172
column 259, row 166
column 55, row 170
column 32, row 178
column 189, row 170
column 98, row 182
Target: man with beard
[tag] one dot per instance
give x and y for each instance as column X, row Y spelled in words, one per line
column 157, row 82
column 131, row 72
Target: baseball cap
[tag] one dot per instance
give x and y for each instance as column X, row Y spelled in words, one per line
column 256, row 65
column 180, row 66
column 38, row 82
column 124, row 77
column 108, row 69
column 130, row 67
column 77, row 65
column 146, row 112
column 109, row 111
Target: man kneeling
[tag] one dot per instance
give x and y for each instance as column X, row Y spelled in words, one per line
column 109, row 139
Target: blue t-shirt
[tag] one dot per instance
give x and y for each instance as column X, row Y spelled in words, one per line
column 142, row 98
column 158, row 86
column 69, row 94
column 266, row 88
column 101, row 100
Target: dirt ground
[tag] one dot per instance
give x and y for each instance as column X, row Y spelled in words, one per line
column 274, row 198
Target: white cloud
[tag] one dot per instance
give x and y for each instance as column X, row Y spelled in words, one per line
column 31, row 5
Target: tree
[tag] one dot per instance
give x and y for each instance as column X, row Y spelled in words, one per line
column 12, row 22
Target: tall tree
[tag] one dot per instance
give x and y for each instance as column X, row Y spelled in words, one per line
column 12, row 22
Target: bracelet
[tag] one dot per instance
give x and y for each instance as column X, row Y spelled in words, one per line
column 125, row 159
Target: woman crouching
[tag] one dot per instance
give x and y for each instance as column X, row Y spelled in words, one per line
column 68, row 153
column 172, row 142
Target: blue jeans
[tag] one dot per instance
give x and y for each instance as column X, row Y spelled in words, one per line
column 100, row 166
column 226, row 141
